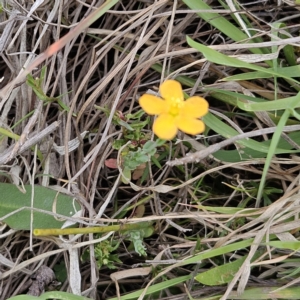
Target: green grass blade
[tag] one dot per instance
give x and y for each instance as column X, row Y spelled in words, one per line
column 155, row 288
column 293, row 71
column 270, row 105
column 219, row 58
column 226, row 131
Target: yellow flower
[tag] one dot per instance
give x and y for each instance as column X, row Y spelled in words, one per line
column 174, row 113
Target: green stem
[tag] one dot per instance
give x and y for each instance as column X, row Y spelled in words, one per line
column 102, row 229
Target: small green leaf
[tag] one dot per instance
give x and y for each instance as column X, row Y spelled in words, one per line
column 136, row 115
column 36, row 85
column 156, row 162
column 126, row 175
column 152, row 152
column 285, row 245
column 133, row 159
column 124, row 124
column 149, row 146
column 136, row 237
column 160, row 142
column 118, row 144
column 141, row 158
column 221, row 274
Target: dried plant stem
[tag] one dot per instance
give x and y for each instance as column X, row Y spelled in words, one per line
column 197, row 156
column 32, row 141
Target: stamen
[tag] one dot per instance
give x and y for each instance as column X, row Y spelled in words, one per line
column 175, row 107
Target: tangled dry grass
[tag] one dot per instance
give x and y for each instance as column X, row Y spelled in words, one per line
column 132, row 48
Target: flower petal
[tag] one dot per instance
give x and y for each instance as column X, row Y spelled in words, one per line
column 195, row 107
column 164, row 127
column 190, row 125
column 171, row 90
column 152, row 105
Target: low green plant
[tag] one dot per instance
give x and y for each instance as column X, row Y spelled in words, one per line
column 137, row 236
column 103, row 254
column 133, row 158
column 104, row 250
column 135, row 146
column 37, row 86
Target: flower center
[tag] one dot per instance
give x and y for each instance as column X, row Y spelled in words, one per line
column 176, row 105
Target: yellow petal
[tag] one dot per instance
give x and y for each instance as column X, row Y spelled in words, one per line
column 171, row 90
column 152, row 105
column 195, row 107
column 164, row 127
column 190, row 125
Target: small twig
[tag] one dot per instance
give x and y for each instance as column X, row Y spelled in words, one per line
column 26, row 130
column 197, row 156
column 32, row 141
